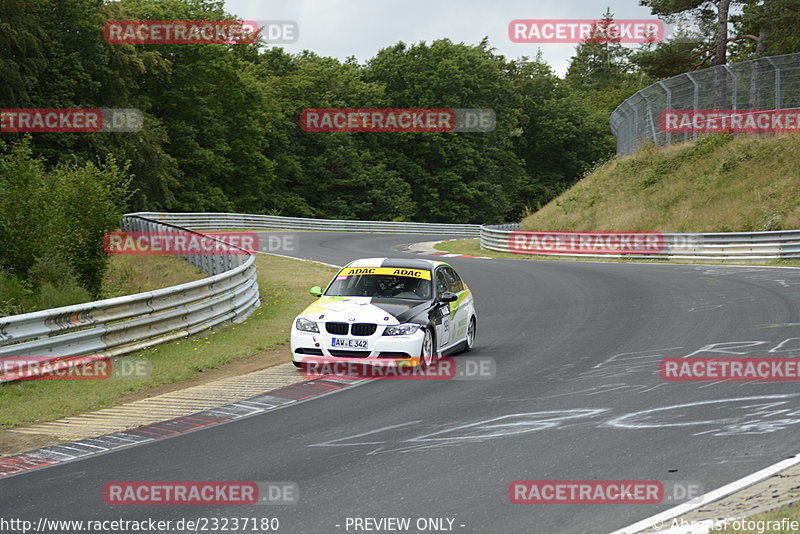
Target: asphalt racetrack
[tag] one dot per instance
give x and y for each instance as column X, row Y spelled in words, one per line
column 576, row 396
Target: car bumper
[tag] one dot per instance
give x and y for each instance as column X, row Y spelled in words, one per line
column 308, row 347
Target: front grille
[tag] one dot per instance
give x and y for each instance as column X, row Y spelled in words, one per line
column 363, row 329
column 337, row 328
column 350, row 353
column 312, row 352
column 394, row 355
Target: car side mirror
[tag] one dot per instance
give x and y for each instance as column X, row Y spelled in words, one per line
column 448, row 296
column 315, row 291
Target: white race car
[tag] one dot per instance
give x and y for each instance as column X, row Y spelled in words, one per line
column 388, row 312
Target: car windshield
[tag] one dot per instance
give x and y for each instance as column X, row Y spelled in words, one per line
column 381, row 285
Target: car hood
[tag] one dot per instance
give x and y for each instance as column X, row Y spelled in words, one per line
column 365, row 310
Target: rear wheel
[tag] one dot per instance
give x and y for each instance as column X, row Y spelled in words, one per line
column 471, row 331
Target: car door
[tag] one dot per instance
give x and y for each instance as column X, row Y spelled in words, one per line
column 460, row 309
column 442, row 310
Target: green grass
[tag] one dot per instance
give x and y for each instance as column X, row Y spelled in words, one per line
column 718, row 184
column 21, row 296
column 125, row 275
column 283, row 287
column 792, row 513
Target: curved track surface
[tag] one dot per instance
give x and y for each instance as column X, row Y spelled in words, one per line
column 576, row 397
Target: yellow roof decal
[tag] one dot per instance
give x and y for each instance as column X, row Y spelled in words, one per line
column 396, row 271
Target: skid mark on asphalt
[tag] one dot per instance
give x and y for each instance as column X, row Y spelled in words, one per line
column 628, row 373
column 785, row 278
column 727, row 417
column 475, row 432
column 636, row 372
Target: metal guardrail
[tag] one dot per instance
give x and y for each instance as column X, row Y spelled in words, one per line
column 125, row 324
column 769, row 83
column 223, row 221
column 737, row 246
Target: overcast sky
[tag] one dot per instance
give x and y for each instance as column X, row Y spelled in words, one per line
column 342, row 28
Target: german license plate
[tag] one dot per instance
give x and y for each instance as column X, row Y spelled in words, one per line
column 349, row 343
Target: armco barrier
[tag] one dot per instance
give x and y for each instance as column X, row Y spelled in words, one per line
column 125, row 324
column 222, row 221
column 737, row 246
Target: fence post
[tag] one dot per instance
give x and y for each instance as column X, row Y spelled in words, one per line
column 648, row 118
column 734, row 91
column 695, row 97
column 777, row 83
column 667, row 135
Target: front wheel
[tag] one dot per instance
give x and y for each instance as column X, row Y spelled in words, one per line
column 471, row 331
column 426, row 354
column 299, row 364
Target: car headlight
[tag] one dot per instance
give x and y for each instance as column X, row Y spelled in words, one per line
column 401, row 330
column 306, row 326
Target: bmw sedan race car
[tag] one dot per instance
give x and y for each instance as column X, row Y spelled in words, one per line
column 390, row 312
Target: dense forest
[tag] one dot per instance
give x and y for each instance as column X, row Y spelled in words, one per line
column 221, row 122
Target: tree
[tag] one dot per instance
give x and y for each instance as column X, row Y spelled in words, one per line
column 599, row 62
column 48, row 235
column 767, row 28
column 454, row 177
column 671, row 8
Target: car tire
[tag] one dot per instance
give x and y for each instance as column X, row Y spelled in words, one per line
column 428, row 346
column 469, row 343
column 299, row 365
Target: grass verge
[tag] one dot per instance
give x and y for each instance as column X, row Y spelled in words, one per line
column 791, row 513
column 283, row 285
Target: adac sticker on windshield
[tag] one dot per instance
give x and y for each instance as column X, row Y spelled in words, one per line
column 396, row 271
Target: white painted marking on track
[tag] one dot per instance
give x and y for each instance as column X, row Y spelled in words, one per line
column 332, row 443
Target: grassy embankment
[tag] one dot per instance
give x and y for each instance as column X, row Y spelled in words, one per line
column 718, row 184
